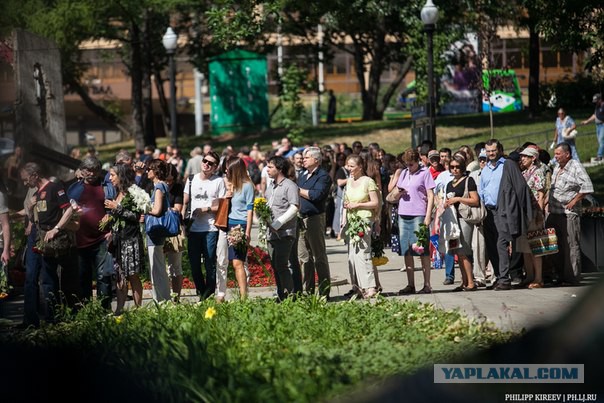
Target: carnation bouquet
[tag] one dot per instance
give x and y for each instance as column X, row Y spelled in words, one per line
column 422, row 239
column 356, row 226
column 237, row 239
column 263, row 212
column 136, row 200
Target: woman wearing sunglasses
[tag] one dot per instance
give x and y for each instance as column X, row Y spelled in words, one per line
column 456, row 190
column 203, row 192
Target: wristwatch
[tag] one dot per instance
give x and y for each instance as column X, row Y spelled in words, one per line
column 57, row 228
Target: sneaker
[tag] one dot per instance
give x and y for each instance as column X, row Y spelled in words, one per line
column 448, row 281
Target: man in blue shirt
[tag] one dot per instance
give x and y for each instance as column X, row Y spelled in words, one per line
column 315, row 185
column 490, row 178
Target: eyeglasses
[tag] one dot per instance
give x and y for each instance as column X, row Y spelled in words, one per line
column 482, row 160
column 208, row 162
column 452, row 167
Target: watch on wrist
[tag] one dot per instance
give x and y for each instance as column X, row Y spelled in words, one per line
column 57, row 228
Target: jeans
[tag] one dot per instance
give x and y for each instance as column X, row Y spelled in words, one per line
column 203, row 244
column 449, row 266
column 95, row 261
column 600, row 135
column 66, row 283
column 33, row 267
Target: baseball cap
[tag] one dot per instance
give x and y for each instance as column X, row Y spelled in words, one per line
column 596, row 98
column 483, row 153
column 433, row 153
column 531, row 152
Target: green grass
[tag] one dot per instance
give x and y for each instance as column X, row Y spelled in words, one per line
column 256, row 350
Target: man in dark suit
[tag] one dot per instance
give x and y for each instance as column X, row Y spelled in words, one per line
column 315, row 185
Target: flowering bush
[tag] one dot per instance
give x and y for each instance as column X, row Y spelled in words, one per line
column 263, row 212
column 422, row 239
column 356, row 226
column 135, row 200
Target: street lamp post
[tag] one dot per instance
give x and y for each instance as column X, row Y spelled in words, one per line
column 170, row 43
column 429, row 16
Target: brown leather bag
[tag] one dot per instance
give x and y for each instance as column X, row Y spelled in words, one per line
column 222, row 214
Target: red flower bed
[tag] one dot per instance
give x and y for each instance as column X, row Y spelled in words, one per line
column 259, row 266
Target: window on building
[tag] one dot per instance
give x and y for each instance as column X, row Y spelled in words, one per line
column 514, row 59
column 549, row 58
column 566, row 59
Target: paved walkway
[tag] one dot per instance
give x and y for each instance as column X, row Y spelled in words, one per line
column 510, row 310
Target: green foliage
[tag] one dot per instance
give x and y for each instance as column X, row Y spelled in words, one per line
column 254, row 350
column 293, row 82
column 573, row 92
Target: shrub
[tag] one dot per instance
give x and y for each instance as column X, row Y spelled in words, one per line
column 256, row 350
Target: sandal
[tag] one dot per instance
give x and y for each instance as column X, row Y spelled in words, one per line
column 407, row 290
column 457, row 289
column 370, row 293
column 532, row 286
column 425, row 290
column 471, row 288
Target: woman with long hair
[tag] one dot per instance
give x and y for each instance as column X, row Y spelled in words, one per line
column 361, row 202
column 414, row 209
column 157, row 171
column 127, row 240
column 241, row 191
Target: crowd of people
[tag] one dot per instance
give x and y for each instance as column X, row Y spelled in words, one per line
column 335, row 190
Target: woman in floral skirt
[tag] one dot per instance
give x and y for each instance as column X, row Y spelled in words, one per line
column 126, row 238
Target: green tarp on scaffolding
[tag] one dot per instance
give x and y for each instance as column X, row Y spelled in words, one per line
column 238, row 92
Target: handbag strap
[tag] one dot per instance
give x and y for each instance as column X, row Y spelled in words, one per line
column 188, row 212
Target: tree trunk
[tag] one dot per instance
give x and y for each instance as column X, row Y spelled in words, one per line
column 400, row 76
column 163, row 102
column 147, row 101
column 359, row 67
column 376, row 112
column 136, row 75
column 533, row 88
column 108, row 117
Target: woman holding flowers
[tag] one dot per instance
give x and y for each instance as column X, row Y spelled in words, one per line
column 241, row 191
column 415, row 213
column 361, row 203
column 455, row 192
column 126, row 238
column 157, row 171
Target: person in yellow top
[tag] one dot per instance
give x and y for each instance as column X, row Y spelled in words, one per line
column 361, row 204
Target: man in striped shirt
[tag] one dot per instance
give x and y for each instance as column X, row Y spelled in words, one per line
column 570, row 185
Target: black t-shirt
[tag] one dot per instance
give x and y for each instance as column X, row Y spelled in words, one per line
column 600, row 112
column 341, row 173
column 461, row 188
column 51, row 200
column 175, row 195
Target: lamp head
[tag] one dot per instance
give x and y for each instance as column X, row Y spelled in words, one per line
column 170, row 40
column 429, row 13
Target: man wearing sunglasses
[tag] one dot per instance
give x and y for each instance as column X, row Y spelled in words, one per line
column 203, row 192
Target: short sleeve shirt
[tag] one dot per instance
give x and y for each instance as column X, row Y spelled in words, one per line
column 360, row 194
column 535, row 179
column 416, row 185
column 279, row 197
column 241, row 203
column 567, row 182
column 203, row 194
column 561, row 125
column 459, row 189
column 51, row 200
